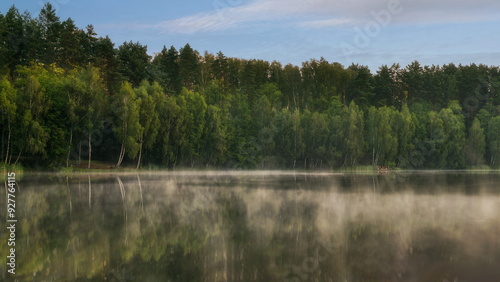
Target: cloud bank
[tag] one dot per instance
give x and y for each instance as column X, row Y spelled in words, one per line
column 319, row 14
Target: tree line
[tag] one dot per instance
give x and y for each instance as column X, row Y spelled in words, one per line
column 68, row 96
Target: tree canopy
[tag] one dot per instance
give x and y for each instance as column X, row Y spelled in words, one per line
column 68, row 96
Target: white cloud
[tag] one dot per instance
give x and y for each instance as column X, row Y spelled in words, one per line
column 331, row 13
column 325, row 23
column 224, row 17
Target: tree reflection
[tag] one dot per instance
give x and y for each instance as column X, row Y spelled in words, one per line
column 177, row 227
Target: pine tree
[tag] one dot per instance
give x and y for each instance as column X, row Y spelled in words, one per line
column 189, row 67
column 134, row 61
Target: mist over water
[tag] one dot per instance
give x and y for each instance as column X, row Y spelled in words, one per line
column 258, row 226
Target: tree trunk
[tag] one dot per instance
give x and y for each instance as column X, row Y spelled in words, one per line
column 79, row 153
column 209, row 160
column 3, row 143
column 69, row 146
column 69, row 196
column 120, row 157
column 18, row 156
column 8, row 145
column 90, row 192
column 140, row 190
column 90, row 149
column 139, row 159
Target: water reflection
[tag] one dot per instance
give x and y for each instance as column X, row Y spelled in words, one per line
column 258, row 226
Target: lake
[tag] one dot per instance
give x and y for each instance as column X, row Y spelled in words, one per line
column 256, row 226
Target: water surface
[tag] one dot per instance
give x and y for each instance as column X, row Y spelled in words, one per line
column 257, row 226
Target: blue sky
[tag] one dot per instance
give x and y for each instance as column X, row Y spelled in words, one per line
column 368, row 32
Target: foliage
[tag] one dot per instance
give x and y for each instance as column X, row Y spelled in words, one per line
column 66, row 94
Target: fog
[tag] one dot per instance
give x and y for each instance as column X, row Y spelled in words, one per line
column 259, row 225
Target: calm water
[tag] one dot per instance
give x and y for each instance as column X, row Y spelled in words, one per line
column 257, row 226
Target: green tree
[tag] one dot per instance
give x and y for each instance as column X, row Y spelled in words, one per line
column 75, row 110
column 41, row 103
column 106, row 59
column 476, row 144
column 360, row 87
column 56, row 119
column 134, row 61
column 298, row 146
column 281, row 131
column 454, row 123
column 432, row 146
column 170, row 133
column 484, row 117
column 50, row 33
column 4, row 49
column 33, row 104
column 127, row 129
column 94, row 100
column 214, row 148
column 13, row 41
column 405, row 130
column 291, row 86
column 196, row 108
column 8, row 109
column 168, row 73
column 353, row 128
column 263, row 114
column 185, row 122
column 217, row 93
column 71, row 53
column 234, row 69
column 148, row 97
column 412, row 79
column 447, row 137
column 253, row 74
column 493, row 135
column 88, row 40
column 220, row 67
column 272, row 92
column 317, row 139
column 189, row 67
column 241, row 135
column 321, row 82
column 206, row 74
column 381, row 137
column 386, row 86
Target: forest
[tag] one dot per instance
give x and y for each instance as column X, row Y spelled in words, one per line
column 70, row 98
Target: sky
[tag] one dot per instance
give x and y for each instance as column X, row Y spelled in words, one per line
column 366, row 32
